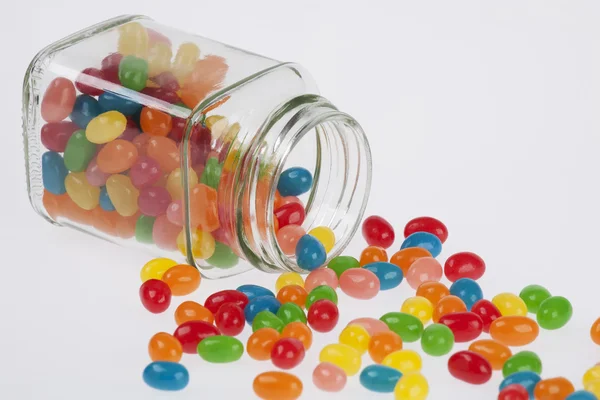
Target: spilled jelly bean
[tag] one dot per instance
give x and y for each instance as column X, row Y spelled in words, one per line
column 407, row 326
column 310, row 253
column 261, row 303
column 379, row 378
column 164, row 375
column 425, row 240
column 220, row 349
column 467, row 290
column 343, row 356
column 359, row 283
column 252, row 291
column 527, row 379
column 470, row 367
column 389, row 275
column 427, row 224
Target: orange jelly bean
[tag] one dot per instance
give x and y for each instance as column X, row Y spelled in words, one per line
column 204, row 210
column 105, row 221
column 155, row 122
column 182, row 279
column 594, row 331
column 406, row 257
column 164, row 347
column 261, row 342
column 300, row 331
column 53, row 203
column 372, row 254
column 276, row 385
column 192, row 311
column 495, row 352
column 553, row 389
column 383, row 343
column 126, row 226
column 433, row 291
column 447, row 305
column 514, row 330
column 117, row 156
column 164, row 151
column 292, row 294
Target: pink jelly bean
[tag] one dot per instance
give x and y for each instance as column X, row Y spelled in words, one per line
column 141, row 142
column 319, row 277
column 329, row 377
column 164, row 233
column 359, row 283
column 288, row 236
column 94, row 175
column 154, row 200
column 290, row 199
column 198, row 169
column 372, row 325
column 425, row 269
column 130, row 132
column 145, row 172
column 222, row 235
column 175, row 213
column 55, row 135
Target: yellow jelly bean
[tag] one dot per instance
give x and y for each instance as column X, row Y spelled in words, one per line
column 342, row 355
column 411, row 387
column 133, row 40
column 159, row 58
column 593, row 387
column 288, row 278
column 418, row 306
column 106, row 127
column 356, row 337
column 174, row 182
column 81, row 192
column 510, row 304
column 122, row 194
column 209, row 121
column 591, row 375
column 186, row 57
column 405, row 361
column 325, row 236
column 203, row 244
column 156, row 268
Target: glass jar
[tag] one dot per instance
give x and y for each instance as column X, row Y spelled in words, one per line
column 147, row 136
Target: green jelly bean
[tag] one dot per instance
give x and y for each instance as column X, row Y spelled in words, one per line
column 220, row 349
column 319, row 293
column 143, row 229
column 554, row 312
column 291, row 312
column 341, row 263
column 533, row 296
column 407, row 326
column 522, row 361
column 79, row 152
column 212, row 173
column 266, row 319
column 437, row 340
column 223, row 257
column 133, row 73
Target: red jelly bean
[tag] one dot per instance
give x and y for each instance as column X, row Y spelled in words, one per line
column 287, row 353
column 230, row 319
column 90, row 74
column 58, row 100
column 55, row 135
column 155, row 295
column 513, row 392
column 166, row 80
column 427, row 224
column 191, row 333
column 487, row 311
column 162, row 94
column 464, row 265
column 466, row 326
column 378, row 232
column 216, row 300
column 110, row 67
column 470, row 367
column 323, row 315
column 290, row 214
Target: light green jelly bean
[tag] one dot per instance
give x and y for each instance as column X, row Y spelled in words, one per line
column 143, row 229
column 212, row 173
column 522, row 361
column 407, row 326
column 291, row 312
column 223, row 257
column 320, row 293
column 341, row 263
column 266, row 319
column 78, row 152
column 220, row 349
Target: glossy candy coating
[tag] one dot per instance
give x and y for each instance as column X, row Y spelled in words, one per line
column 412, row 386
column 230, row 319
column 595, row 332
column 164, row 347
column 340, row 264
column 290, row 214
column 155, row 122
column 252, row 291
column 467, row 290
column 522, row 361
column 407, row 326
column 447, row 305
column 310, row 253
column 217, row 299
column 470, row 367
column 294, row 181
column 155, row 296
column 359, row 283
column 372, row 325
column 426, row 224
column 379, row 378
column 85, row 109
column 287, row 353
column 406, row 257
column 106, row 127
column 513, row 392
column 433, row 291
column 533, row 296
column 591, row 375
column 191, row 333
column 261, row 342
column 378, row 232
column 287, row 238
column 554, row 312
column 324, row 235
column 58, row 100
column 323, row 315
column 144, row 172
column 291, row 312
column 292, row 294
column 495, row 352
column 466, row 326
column 95, row 176
column 211, row 176
column 220, row 349
column 329, row 377
column 83, row 194
column 581, row 395
column 464, row 265
column 55, row 135
column 372, row 254
column 383, row 343
column 133, row 73
column 553, row 389
column 389, row 275
column 164, row 151
column 78, row 152
column 356, row 337
column 54, row 173
column 509, row 304
column 319, row 293
column 192, row 311
column 203, row 243
column 175, row 182
column 133, row 39
column 90, row 81
column 260, row 303
column 143, row 229
column 183, row 279
column 156, row 268
column 276, row 385
column 514, row 330
column 487, row 311
column 424, row 269
column 527, row 379
column 437, row 340
column 420, row 307
column 117, row 156
column 164, row 375
column 405, row 361
column 319, row 277
column 425, row 240
column 343, row 356
column 114, row 102
column 164, row 233
column 123, row 194
column 267, row 319
column 300, row 331
column 288, row 278
column 153, row 201
column 104, row 200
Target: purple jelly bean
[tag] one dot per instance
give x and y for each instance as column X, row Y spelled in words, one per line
column 145, row 172
column 153, row 201
column 94, row 175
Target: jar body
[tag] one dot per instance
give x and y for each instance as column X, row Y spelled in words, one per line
column 146, row 136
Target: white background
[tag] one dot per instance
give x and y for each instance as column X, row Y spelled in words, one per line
column 483, row 114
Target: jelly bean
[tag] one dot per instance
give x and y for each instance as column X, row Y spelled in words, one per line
column 373, row 254
column 425, row 240
column 156, row 268
column 204, row 208
column 191, row 333
column 175, row 180
column 324, row 235
column 343, row 356
column 594, row 388
column 155, row 296
column 294, row 181
column 310, row 253
column 104, row 200
column 85, row 109
column 164, row 233
column 323, row 315
column 164, row 347
column 217, row 299
column 164, row 375
column 389, row 275
column 220, row 349
column 319, row 277
column 433, row 291
column 514, row 330
column 383, row 343
column 407, row 326
column 287, row 238
column 162, row 94
column 287, row 353
column 522, row 361
column 447, row 305
column 90, row 81
column 495, row 352
column 94, row 175
column 266, row 319
column 260, row 303
column 182, row 279
column 54, row 173
column 109, row 101
column 411, row 387
column 464, row 265
column 81, row 192
column 261, row 342
column 405, row 361
column 553, row 389
column 329, row 377
column 581, row 395
column 143, row 229
column 133, row 39
column 470, row 367
column 110, row 67
column 406, row 257
column 289, row 278
column 186, row 57
column 340, row 264
column 153, row 201
column 513, row 392
column 290, row 312
column 487, row 311
column 554, row 312
column 467, row 290
column 290, row 214
column 211, row 175
column 123, row 194
column 292, row 294
column 276, row 385
column 58, row 100
column 426, row 224
column 533, row 296
column 106, row 127
column 203, row 244
column 223, row 257
column 372, row 325
column 379, row 378
column 192, row 311
column 287, row 200
column 595, row 332
column 437, row 340
column 252, row 291
column 424, row 269
column 300, row 331
column 155, row 122
column 466, row 326
column 591, row 375
column 133, row 73
column 359, row 283
column 167, row 81
column 527, row 379
column 78, row 152
column 319, row 293
column 420, row 307
column 159, row 58
column 378, row 232
column 356, row 337
column 117, row 156
column 55, row 135
column 510, row 304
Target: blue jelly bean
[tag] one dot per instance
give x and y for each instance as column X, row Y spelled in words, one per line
column 164, row 375
column 389, row 274
column 261, row 303
column 527, row 379
column 253, row 291
column 112, row 101
column 294, row 181
column 85, row 109
column 105, row 201
column 310, row 253
column 581, row 395
column 379, row 378
column 467, row 290
column 425, row 240
column 54, row 172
